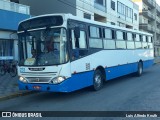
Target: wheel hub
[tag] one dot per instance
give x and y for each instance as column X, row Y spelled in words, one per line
column 98, row 80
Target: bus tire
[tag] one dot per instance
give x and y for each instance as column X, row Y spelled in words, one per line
column 97, row 80
column 140, row 69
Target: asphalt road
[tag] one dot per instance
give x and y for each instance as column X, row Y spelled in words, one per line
column 128, row 93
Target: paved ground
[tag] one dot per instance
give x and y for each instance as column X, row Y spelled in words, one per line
column 157, row 60
column 127, row 93
column 8, row 85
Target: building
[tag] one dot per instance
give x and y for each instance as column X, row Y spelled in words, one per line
column 117, row 12
column 149, row 18
column 10, row 15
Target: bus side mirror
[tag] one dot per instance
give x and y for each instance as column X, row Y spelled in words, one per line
column 77, row 32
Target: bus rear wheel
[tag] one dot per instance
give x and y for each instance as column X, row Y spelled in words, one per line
column 140, row 69
column 97, row 80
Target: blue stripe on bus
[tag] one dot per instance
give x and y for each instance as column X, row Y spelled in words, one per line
column 120, row 70
column 147, row 64
column 85, row 79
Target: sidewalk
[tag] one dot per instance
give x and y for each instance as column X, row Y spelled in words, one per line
column 9, row 87
column 157, row 60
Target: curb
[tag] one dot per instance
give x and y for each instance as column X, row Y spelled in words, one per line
column 17, row 94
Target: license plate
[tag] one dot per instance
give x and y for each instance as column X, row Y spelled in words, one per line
column 37, row 87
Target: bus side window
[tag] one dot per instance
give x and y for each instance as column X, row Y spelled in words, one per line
column 80, row 49
column 82, row 40
column 73, row 39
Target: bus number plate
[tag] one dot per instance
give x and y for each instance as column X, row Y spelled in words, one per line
column 87, row 66
column 37, row 87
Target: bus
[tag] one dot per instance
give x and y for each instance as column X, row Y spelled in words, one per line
column 64, row 53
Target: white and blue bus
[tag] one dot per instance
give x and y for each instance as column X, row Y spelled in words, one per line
column 64, row 53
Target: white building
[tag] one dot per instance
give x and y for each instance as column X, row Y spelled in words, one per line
column 119, row 12
column 10, row 15
column 149, row 18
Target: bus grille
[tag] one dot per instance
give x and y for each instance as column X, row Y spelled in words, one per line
column 38, row 79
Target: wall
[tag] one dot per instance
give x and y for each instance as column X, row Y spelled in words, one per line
column 39, row 7
column 85, row 6
column 9, row 20
column 112, row 14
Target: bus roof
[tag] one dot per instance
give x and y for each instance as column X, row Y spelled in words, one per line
column 70, row 16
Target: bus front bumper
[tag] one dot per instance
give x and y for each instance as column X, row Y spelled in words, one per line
column 43, row 87
column 76, row 82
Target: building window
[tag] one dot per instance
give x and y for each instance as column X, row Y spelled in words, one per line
column 135, row 16
column 87, row 16
column 6, row 49
column 112, row 23
column 113, row 5
column 16, row 1
column 121, row 24
column 129, row 12
column 101, row 2
column 121, row 8
column 125, row 10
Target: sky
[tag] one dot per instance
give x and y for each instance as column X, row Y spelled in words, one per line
column 158, row 2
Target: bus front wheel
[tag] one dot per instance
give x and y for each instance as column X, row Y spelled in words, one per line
column 140, row 69
column 97, row 80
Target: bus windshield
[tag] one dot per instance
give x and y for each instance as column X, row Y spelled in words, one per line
column 43, row 47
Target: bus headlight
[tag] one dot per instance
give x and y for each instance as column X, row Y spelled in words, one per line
column 57, row 80
column 22, row 79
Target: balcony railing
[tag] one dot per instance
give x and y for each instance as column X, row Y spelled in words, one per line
column 148, row 14
column 156, row 43
column 11, row 6
column 147, row 27
column 151, row 3
column 99, row 7
column 158, row 9
column 158, row 20
column 157, row 31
